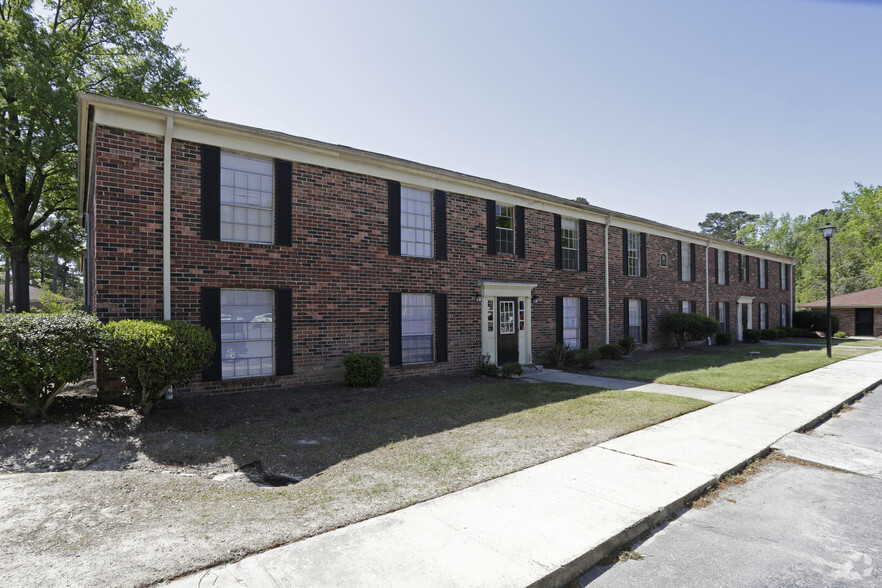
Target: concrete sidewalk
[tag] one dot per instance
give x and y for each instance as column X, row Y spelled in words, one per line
column 544, row 525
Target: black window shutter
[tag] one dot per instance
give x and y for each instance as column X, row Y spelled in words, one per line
column 680, row 260
column 692, row 262
column 644, row 321
column 726, row 310
column 583, row 327
column 491, row 227
column 284, row 332
column 627, row 322
column 716, row 267
column 786, row 271
column 394, row 218
column 625, row 251
column 643, row 268
column 283, row 201
column 211, row 193
column 211, row 315
column 740, row 268
column 394, row 328
column 747, row 268
column 583, row 246
column 520, row 232
column 558, row 320
column 440, row 225
column 726, row 269
column 558, row 262
column 441, row 328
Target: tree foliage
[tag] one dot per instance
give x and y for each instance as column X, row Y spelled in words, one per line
column 687, row 326
column 856, row 246
column 726, row 225
column 49, row 52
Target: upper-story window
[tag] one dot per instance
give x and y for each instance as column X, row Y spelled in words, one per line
column 743, row 268
column 416, row 222
column 246, row 199
column 505, row 242
column 634, row 253
column 722, row 268
column 686, row 264
column 784, row 269
column 763, row 272
column 569, row 243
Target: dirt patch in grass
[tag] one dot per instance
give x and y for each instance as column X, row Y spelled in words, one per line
column 102, row 496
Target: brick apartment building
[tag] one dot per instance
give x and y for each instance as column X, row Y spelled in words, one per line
column 295, row 252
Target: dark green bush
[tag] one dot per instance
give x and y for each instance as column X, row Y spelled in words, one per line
column 814, row 320
column 628, row 344
column 485, row 367
column 363, row 370
column 724, row 338
column 769, row 334
column 150, row 356
column 39, row 354
column 840, row 335
column 610, row 351
column 512, row 369
column 688, row 326
column 558, row 355
column 586, row 358
column 751, row 336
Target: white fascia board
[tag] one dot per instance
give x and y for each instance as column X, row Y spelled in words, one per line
column 151, row 120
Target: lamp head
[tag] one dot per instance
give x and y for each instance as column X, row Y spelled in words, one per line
column 828, row 230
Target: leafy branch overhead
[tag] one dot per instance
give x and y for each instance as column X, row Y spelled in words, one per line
column 49, row 52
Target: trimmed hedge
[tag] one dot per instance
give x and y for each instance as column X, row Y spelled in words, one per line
column 610, row 351
column 814, row 320
column 511, row 369
column 769, row 334
column 150, row 356
column 724, row 338
column 40, row 353
column 363, row 370
column 751, row 336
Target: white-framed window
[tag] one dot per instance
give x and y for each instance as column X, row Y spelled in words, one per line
column 634, row 253
column 687, row 306
column 504, row 228
column 723, row 316
column 743, row 268
column 417, row 328
column 416, row 222
column 246, row 333
column 246, row 192
column 785, row 314
column 569, row 239
column 635, row 319
column 763, row 270
column 722, row 270
column 763, row 316
column 685, row 262
column 784, row 269
column 571, row 322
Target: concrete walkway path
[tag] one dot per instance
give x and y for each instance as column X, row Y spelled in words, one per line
column 543, row 525
column 547, row 375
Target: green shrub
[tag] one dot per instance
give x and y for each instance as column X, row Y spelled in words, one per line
column 51, row 303
column 610, row 351
column 840, row 335
column 751, row 336
column 150, row 356
column 363, row 370
column 586, row 358
column 558, row 355
column 688, row 326
column 724, row 338
column 814, row 320
column 628, row 344
column 769, row 334
column 512, row 369
column 40, row 353
column 485, row 367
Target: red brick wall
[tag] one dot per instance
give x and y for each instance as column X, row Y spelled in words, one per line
column 339, row 269
column 847, row 320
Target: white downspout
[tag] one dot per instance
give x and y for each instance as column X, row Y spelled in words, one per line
column 707, row 278
column 166, row 219
column 606, row 270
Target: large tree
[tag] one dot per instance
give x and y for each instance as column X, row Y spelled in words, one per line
column 725, row 225
column 48, row 53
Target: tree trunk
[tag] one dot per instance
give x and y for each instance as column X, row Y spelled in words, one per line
column 7, row 294
column 55, row 274
column 21, row 278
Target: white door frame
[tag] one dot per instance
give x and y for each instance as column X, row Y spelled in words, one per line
column 745, row 304
column 522, row 292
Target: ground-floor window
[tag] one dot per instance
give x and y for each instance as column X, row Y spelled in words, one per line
column 687, row 306
column 763, row 316
column 785, row 315
column 635, row 319
column 723, row 316
column 246, row 333
column 417, row 328
column 571, row 336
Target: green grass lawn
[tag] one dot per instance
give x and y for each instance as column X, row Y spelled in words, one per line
column 732, row 370
column 846, row 341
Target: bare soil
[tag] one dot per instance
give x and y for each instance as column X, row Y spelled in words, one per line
column 101, row 496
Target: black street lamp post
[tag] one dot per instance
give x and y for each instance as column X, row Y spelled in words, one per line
column 828, row 230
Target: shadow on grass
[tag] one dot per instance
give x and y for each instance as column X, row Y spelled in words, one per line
column 303, row 431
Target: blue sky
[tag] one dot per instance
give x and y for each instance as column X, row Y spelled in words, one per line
column 666, row 110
